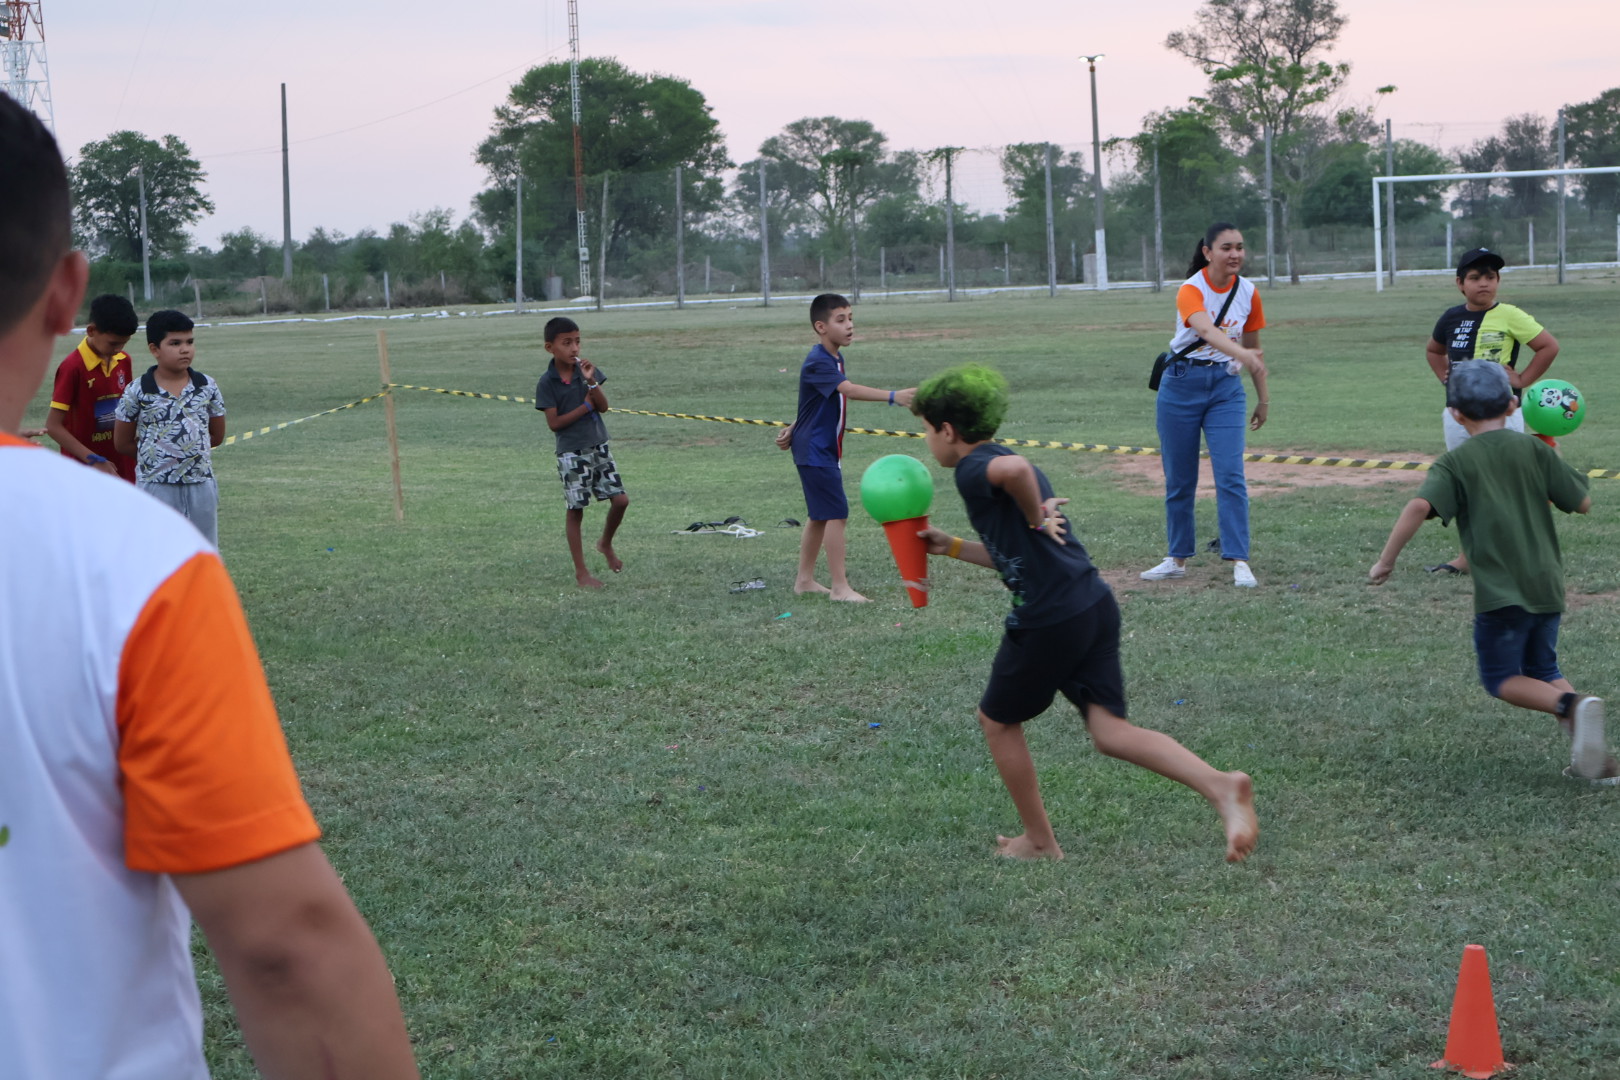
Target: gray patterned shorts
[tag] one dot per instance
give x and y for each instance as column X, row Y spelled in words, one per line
column 588, row 474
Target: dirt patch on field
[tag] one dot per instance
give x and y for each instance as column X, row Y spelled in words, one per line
column 1576, row 601
column 935, row 334
column 1145, row 475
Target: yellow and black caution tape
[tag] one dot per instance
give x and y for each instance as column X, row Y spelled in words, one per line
column 246, row 435
column 1038, row 444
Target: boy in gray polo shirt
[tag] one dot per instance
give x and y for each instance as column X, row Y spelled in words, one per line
column 570, row 394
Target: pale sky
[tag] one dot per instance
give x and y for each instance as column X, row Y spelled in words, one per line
column 928, row 73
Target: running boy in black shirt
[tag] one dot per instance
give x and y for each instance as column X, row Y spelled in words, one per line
column 1063, row 631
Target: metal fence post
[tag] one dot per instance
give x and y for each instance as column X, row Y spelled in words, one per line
column 1561, row 165
column 764, row 242
column 1051, row 237
column 680, row 245
column 326, row 291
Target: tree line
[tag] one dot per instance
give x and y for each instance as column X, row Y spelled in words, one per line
column 834, row 187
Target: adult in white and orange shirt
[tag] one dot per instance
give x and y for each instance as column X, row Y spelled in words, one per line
column 1202, row 395
column 144, row 779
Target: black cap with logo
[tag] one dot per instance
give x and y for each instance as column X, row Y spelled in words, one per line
column 1479, row 257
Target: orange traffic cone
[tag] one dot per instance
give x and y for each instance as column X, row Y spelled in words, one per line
column 1473, row 1042
column 910, row 555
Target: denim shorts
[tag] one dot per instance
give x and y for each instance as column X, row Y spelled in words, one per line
column 1512, row 641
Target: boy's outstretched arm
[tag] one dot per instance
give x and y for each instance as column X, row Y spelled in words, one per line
column 311, row 988
column 1544, row 350
column 1406, row 526
column 857, row 392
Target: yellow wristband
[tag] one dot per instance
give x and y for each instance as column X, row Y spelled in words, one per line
column 955, row 550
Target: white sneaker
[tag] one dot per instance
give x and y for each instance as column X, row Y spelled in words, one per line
column 1587, row 755
column 1242, row 576
column 1167, row 569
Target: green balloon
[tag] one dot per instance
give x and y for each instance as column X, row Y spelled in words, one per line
column 896, row 487
column 1553, row 407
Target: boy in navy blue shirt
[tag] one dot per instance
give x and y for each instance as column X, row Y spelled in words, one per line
column 817, row 440
column 1063, row 631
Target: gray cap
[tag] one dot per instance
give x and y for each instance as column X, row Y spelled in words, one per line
column 1479, row 389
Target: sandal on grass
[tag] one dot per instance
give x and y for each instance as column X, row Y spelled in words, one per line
column 1444, row 567
column 744, row 586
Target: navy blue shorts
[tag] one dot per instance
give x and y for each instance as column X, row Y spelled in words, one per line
column 824, row 492
column 1078, row 658
column 1512, row 641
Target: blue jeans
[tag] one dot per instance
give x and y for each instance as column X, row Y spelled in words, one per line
column 1205, row 400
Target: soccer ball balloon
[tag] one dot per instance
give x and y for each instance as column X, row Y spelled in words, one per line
column 896, row 488
column 1553, row 407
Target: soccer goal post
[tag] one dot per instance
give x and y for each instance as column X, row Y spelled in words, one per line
column 1378, row 208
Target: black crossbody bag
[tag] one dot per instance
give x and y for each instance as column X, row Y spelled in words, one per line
column 1164, row 359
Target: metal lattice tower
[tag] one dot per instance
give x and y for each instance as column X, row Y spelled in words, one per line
column 23, row 73
column 579, row 152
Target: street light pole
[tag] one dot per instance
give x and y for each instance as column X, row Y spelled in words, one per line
column 1096, row 177
column 146, row 247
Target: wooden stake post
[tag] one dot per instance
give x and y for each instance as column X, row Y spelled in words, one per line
column 393, row 431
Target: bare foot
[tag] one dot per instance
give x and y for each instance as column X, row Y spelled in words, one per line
column 1236, row 808
column 615, row 563
column 586, row 581
column 1022, row 847
column 848, row 594
column 811, row 586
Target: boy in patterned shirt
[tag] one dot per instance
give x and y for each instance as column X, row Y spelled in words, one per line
column 169, row 420
column 570, row 394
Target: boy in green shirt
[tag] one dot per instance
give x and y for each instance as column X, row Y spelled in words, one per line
column 1498, row 484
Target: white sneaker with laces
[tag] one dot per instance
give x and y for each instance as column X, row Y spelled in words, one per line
column 1165, row 570
column 1586, row 756
column 1242, row 576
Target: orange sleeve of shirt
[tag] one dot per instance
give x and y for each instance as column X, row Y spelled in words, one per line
column 1189, row 299
column 1257, row 314
column 65, row 390
column 207, row 779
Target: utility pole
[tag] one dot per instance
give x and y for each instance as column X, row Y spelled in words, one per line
column 1096, row 178
column 146, row 246
column 579, row 155
column 286, row 195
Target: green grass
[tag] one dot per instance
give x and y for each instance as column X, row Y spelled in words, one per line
column 651, row 832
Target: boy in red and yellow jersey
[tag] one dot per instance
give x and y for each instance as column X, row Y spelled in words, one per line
column 88, row 385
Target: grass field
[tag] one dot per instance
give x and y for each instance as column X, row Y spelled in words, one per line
column 654, row 832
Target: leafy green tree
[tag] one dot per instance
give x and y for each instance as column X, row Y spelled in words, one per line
column 1267, row 66
column 106, row 195
column 829, row 172
column 1592, row 140
column 1023, row 173
column 1200, row 181
column 1343, row 195
column 634, row 128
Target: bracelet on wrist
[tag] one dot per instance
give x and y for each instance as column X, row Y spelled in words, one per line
column 94, row 459
column 891, row 397
column 955, row 550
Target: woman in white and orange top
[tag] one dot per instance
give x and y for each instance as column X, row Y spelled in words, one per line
column 1202, row 393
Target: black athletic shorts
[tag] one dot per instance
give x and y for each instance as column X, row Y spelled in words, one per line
column 1078, row 658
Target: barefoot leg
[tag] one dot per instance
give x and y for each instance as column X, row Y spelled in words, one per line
column 1231, row 794
column 841, row 589
column 809, row 549
column 1011, row 754
column 576, row 548
column 616, row 508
